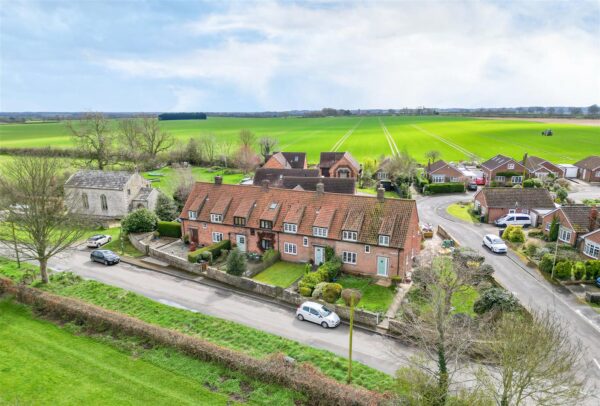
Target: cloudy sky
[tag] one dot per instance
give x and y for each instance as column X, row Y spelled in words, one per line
column 243, row 56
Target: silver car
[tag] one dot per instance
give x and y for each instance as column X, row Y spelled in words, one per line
column 99, row 240
column 317, row 313
column 495, row 244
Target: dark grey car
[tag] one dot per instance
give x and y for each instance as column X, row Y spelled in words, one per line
column 105, row 257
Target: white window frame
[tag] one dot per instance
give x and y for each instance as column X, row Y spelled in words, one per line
column 290, row 228
column 320, row 231
column 305, row 241
column 591, row 249
column 510, row 166
column 454, row 179
column 500, row 178
column 349, row 257
column 382, row 175
column 216, row 218
column 564, row 232
column 384, row 240
column 217, row 236
column 597, row 174
column 367, row 249
column 290, row 248
column 438, row 178
column 548, row 226
column 192, row 215
column 516, row 179
column 349, row 235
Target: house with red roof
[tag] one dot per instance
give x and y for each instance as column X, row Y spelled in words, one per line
column 373, row 235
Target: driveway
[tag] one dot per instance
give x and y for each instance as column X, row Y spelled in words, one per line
column 532, row 289
column 581, row 190
column 371, row 349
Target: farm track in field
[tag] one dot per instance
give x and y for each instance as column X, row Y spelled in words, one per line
column 300, row 138
column 457, row 147
column 344, row 137
column 389, row 138
column 527, row 147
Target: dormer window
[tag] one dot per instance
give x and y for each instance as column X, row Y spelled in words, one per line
column 349, row 235
column 216, row 218
column 290, row 228
column 266, row 224
column 384, row 240
column 239, row 221
column 320, row 231
column 192, row 215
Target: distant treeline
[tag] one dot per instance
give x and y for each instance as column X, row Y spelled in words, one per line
column 182, row 116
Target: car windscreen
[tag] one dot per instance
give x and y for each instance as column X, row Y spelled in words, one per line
column 325, row 311
column 96, row 237
column 497, row 240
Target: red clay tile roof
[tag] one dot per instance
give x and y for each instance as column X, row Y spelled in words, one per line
column 275, row 176
column 244, row 208
column 294, row 213
column 590, row 163
column 503, row 197
column 328, row 159
column 580, row 217
column 436, row 165
column 221, row 206
column 271, row 211
column 354, row 220
column 296, row 160
column 197, row 203
column 331, row 185
column 496, row 161
column 338, row 205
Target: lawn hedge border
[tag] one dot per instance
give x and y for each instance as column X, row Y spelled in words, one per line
column 435, row 188
column 214, row 249
column 169, row 229
column 320, row 389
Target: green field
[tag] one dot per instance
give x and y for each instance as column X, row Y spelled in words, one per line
column 456, row 138
column 43, row 364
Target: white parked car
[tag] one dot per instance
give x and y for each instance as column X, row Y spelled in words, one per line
column 495, row 244
column 99, row 240
column 515, row 219
column 317, row 313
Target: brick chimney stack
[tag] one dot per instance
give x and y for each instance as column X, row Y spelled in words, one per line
column 320, row 188
column 594, row 218
column 380, row 194
column 218, row 180
column 265, row 185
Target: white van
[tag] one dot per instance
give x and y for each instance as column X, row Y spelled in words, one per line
column 514, row 219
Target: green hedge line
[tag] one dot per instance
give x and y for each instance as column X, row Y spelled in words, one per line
column 169, row 229
column 214, row 249
column 435, row 188
column 326, row 273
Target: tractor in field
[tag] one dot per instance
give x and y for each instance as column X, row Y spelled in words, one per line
column 547, row 133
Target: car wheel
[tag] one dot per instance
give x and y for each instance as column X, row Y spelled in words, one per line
column 109, row 239
column 300, row 317
column 105, row 262
column 324, row 325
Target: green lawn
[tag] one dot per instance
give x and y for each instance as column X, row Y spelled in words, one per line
column 43, row 364
column 370, row 191
column 456, row 138
column 462, row 301
column 463, row 212
column 375, row 298
column 281, row 274
column 222, row 332
column 166, row 180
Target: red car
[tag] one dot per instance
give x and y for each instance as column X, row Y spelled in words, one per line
column 480, row 181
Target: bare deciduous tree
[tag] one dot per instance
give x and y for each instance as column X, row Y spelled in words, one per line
column 432, row 155
column 247, row 138
column 38, row 208
column 207, row 147
column 401, row 166
column 185, row 182
column 267, row 146
column 224, row 149
column 154, row 139
column 246, row 159
column 532, row 360
column 130, row 135
column 94, row 136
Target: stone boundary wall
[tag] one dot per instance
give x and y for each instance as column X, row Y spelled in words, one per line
column 288, row 296
column 446, row 235
column 141, row 243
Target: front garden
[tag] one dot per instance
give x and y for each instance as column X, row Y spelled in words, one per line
column 282, row 274
column 375, row 298
column 463, row 211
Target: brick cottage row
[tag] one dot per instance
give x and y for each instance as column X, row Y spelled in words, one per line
column 372, row 235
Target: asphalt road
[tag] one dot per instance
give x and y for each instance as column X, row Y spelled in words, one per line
column 527, row 284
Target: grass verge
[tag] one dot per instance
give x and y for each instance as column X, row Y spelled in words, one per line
column 462, row 301
column 462, row 212
column 106, row 370
column 222, row 332
column 281, row 274
column 375, row 298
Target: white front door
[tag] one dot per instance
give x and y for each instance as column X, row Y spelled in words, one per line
column 382, row 266
column 319, row 255
column 240, row 240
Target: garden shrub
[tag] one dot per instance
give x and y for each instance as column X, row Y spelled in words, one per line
column 236, row 262
column 348, row 294
column 166, row 208
column 318, row 291
column 435, row 188
column 592, row 269
column 563, row 270
column 328, row 271
column 579, row 270
column 495, row 299
column 310, row 281
column 331, row 268
column 546, row 263
column 531, row 249
column 553, row 232
column 304, row 291
column 169, row 229
column 139, row 221
column 332, row 292
column 207, row 256
column 514, row 234
column 329, row 253
column 214, row 249
column 535, row 233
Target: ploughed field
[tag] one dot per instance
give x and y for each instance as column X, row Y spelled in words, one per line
column 457, row 138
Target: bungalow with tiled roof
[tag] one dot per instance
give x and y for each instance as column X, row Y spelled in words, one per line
column 589, row 169
column 443, row 172
column 302, row 179
column 339, row 165
column 286, row 160
column 502, row 170
column 590, row 244
column 540, row 168
column 275, row 175
column 373, row 235
column 493, row 203
column 574, row 221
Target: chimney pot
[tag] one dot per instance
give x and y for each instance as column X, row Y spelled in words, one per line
column 320, row 188
column 218, row 180
column 380, row 194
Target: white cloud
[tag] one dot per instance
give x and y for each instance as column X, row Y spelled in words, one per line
column 391, row 54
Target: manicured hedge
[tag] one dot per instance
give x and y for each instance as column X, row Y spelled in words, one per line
column 214, row 249
column 435, row 188
column 169, row 229
column 328, row 271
